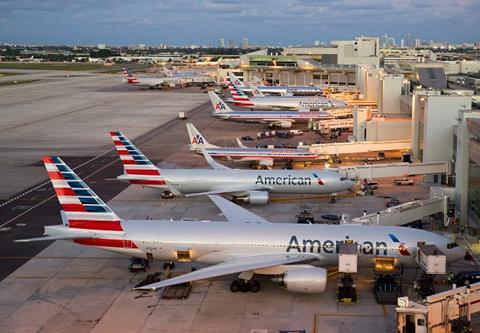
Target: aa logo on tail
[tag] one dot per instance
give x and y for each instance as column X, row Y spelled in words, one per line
column 220, row 106
column 198, row 140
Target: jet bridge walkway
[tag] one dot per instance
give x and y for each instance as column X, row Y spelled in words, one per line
column 341, row 148
column 371, row 171
column 405, row 213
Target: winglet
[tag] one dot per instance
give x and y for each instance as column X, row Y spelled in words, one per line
column 234, row 213
column 240, row 144
column 214, row 164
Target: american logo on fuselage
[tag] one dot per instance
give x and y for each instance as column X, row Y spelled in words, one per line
column 330, row 246
column 198, row 140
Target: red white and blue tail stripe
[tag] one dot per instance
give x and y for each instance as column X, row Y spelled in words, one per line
column 138, row 168
column 134, row 162
column 83, row 208
column 238, row 95
column 129, row 76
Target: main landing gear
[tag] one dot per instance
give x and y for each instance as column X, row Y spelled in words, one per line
column 245, row 286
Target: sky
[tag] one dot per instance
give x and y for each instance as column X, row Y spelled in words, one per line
column 266, row 22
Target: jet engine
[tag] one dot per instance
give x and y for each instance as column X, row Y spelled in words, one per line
column 256, row 198
column 284, row 124
column 304, row 280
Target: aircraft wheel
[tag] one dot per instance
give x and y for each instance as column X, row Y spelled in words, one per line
column 235, row 286
column 244, row 286
column 254, row 286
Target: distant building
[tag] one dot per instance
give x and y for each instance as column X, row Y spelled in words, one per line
column 317, row 43
column 245, row 43
column 101, row 46
column 361, row 50
column 231, row 44
column 141, row 46
column 221, row 43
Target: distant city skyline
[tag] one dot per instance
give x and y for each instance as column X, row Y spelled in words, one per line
column 182, row 22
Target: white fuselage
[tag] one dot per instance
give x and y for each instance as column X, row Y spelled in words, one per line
column 217, row 242
column 190, row 181
column 250, row 154
column 284, row 90
column 292, row 103
column 273, row 116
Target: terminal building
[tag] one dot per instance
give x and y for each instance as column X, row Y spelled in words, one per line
column 321, row 65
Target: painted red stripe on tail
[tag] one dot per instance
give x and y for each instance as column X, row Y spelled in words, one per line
column 55, row 175
column 143, row 172
column 73, row 207
column 64, row 191
column 95, row 225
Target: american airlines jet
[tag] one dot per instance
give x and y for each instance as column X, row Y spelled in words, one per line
column 275, row 90
column 295, row 254
column 252, row 186
column 153, row 82
column 283, row 119
column 262, row 156
column 240, row 98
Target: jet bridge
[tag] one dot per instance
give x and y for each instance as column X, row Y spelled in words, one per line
column 341, row 148
column 449, row 311
column 406, row 213
column 371, row 171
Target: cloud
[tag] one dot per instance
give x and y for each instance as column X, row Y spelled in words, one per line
column 203, row 21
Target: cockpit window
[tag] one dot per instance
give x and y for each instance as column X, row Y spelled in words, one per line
column 342, row 179
column 452, row 245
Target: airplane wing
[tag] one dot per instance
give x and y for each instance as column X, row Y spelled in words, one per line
column 240, row 144
column 234, row 266
column 214, row 164
column 231, row 189
column 234, row 213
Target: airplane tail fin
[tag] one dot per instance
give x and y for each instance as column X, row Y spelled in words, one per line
column 238, row 95
column 129, row 77
column 256, row 92
column 167, row 72
column 197, row 141
column 133, row 161
column 82, row 208
column 235, row 80
column 219, row 106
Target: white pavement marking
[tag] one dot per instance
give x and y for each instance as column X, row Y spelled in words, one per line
column 47, row 182
column 42, row 202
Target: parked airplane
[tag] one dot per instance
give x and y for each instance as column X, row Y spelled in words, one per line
column 194, row 77
column 240, row 98
column 283, row 119
column 262, row 156
column 154, row 82
column 296, row 254
column 208, row 62
column 274, row 90
column 252, row 186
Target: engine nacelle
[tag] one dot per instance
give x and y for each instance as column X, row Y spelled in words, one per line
column 256, row 198
column 285, row 124
column 305, row 280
